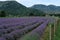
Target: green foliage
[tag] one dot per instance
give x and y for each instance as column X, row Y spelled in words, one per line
column 36, row 12
column 2, row 14
column 57, row 32
column 16, row 9
column 50, row 9
column 31, row 14
column 58, row 15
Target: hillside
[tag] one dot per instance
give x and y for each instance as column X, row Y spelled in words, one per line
column 15, row 8
column 51, row 9
column 12, row 7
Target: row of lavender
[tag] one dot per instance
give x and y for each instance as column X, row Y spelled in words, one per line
column 9, row 30
column 6, row 22
column 36, row 33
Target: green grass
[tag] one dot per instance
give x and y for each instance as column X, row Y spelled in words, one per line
column 29, row 36
column 57, row 34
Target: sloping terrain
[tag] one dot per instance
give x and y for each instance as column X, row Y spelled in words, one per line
column 50, row 9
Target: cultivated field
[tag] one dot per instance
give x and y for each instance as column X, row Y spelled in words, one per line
column 28, row 28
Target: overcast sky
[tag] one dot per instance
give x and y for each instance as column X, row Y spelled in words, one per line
column 29, row 3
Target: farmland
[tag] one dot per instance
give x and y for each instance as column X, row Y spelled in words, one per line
column 37, row 22
column 27, row 28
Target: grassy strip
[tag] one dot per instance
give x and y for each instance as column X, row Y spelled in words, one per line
column 46, row 34
column 34, row 36
column 57, row 33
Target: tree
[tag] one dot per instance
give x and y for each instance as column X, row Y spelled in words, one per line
column 2, row 14
column 31, row 14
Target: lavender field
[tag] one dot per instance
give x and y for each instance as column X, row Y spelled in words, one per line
column 29, row 20
column 25, row 28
